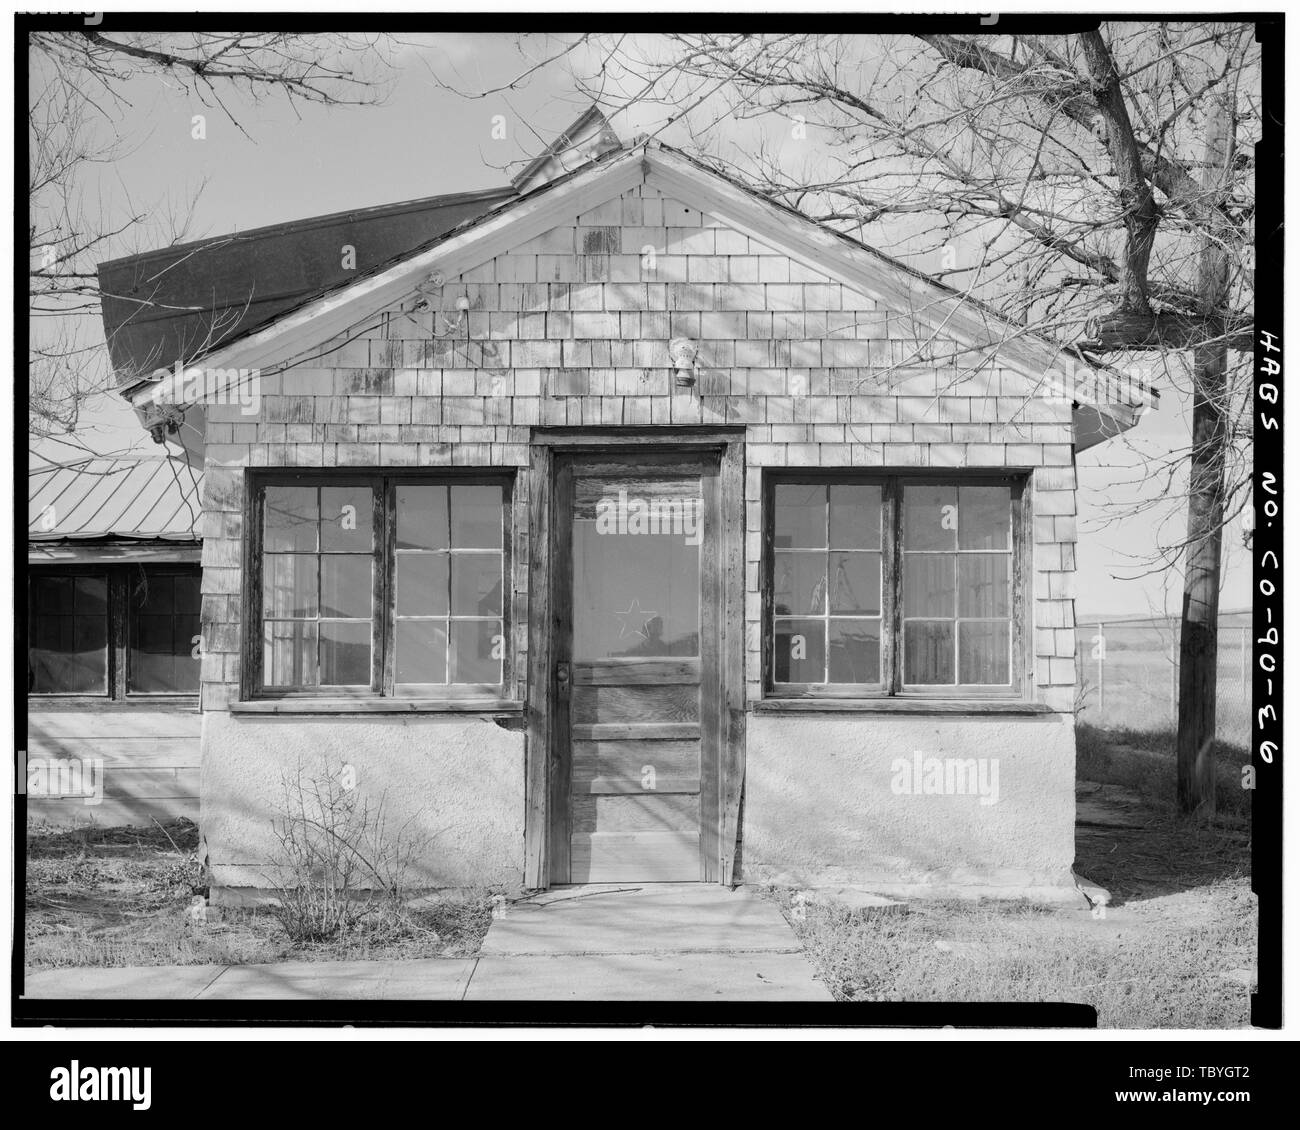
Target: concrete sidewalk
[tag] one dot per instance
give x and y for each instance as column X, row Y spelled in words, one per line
column 658, row 942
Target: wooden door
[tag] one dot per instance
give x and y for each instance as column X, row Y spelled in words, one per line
column 637, row 691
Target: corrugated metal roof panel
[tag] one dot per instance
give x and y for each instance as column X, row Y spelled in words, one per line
column 121, row 498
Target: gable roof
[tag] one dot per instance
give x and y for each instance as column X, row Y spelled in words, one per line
column 138, row 499
column 1107, row 400
column 180, row 302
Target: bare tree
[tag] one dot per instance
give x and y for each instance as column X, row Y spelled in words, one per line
column 81, row 94
column 1067, row 181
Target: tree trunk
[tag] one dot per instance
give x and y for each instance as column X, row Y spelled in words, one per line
column 1198, row 646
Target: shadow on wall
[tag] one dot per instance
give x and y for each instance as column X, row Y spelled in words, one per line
column 969, row 801
column 454, row 786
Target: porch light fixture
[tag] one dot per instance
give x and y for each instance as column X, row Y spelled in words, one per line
column 684, row 354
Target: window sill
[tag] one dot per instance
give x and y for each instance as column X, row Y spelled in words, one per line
column 44, row 704
column 895, row 706
column 377, row 706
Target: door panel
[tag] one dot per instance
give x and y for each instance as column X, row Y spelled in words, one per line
column 635, row 740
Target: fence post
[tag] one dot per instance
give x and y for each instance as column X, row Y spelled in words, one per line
column 1245, row 668
column 1101, row 672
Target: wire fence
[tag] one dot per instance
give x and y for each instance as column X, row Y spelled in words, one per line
column 1128, row 675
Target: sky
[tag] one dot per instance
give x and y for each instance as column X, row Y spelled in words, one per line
column 290, row 163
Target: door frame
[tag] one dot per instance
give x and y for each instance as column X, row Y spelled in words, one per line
column 546, row 607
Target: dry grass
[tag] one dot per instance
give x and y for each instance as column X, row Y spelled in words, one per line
column 1175, row 948
column 1145, row 761
column 121, row 896
column 1154, row 966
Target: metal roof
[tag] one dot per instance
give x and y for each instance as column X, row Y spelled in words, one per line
column 155, row 499
column 171, row 305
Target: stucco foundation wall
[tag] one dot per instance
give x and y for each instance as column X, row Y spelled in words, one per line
column 821, row 807
column 459, row 781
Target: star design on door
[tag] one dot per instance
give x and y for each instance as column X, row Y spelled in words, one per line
column 633, row 620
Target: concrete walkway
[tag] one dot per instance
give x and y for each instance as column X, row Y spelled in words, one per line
column 658, row 942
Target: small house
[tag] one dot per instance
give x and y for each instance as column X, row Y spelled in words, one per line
column 113, row 578
column 623, row 525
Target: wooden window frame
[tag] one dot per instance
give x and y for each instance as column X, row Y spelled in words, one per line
column 891, row 688
column 382, row 688
column 118, row 576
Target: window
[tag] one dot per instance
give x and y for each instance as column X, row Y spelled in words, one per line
column 69, row 634
column 383, row 585
column 116, row 632
column 163, row 633
column 892, row 586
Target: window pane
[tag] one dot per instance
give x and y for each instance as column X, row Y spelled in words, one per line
column 985, row 652
column 289, row 585
column 79, row 669
column 422, row 521
column 52, row 595
column 855, row 583
column 153, row 634
column 472, row 645
column 928, row 584
column 347, row 519
column 74, row 659
column 188, row 592
column 855, row 516
column 475, row 584
column 984, row 518
column 422, row 584
column 929, row 517
column 164, row 674
column 799, row 654
column 91, row 596
column 634, row 593
column 68, row 645
column 162, row 659
column 800, row 516
column 47, row 633
column 421, row 651
column 983, row 584
column 345, row 586
column 344, row 654
column 927, row 652
column 800, row 583
column 152, row 595
column 475, row 517
column 289, row 654
column 854, row 648
column 291, row 517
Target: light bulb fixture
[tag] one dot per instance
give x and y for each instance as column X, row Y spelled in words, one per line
column 684, row 354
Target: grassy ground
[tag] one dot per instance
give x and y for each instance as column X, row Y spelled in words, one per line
column 1175, row 948
column 122, row 896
